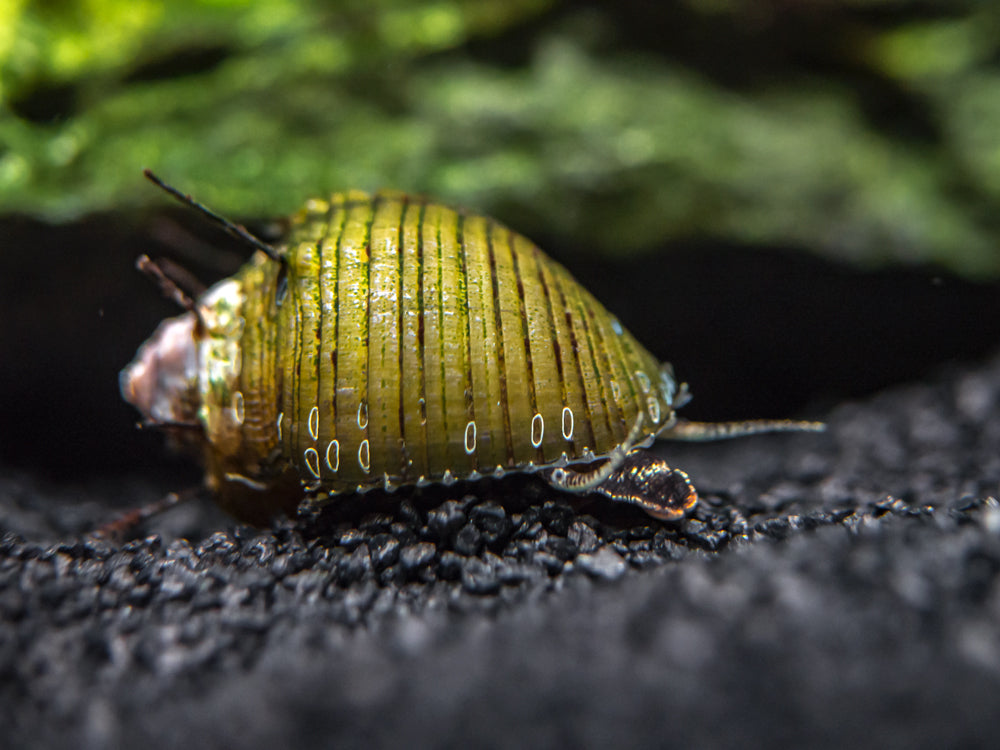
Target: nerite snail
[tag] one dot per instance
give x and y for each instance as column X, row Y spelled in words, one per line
column 388, row 340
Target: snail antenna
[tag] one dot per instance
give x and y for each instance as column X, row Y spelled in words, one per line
column 236, row 230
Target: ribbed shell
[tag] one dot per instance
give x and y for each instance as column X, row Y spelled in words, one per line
column 415, row 341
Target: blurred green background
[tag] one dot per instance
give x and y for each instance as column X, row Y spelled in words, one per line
column 866, row 130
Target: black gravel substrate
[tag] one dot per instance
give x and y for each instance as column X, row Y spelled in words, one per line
column 835, row 590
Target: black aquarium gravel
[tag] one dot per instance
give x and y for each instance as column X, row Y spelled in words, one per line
column 831, row 590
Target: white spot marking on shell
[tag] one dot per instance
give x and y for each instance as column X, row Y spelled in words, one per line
column 617, row 327
column 470, row 437
column 281, row 416
column 333, row 463
column 567, row 423
column 643, row 379
column 238, row 412
column 313, row 423
column 537, row 430
column 653, row 407
column 362, row 414
column 364, row 456
column 667, row 385
column 311, row 458
column 615, row 390
column 245, row 481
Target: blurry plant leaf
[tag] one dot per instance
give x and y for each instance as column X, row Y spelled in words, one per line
column 534, row 111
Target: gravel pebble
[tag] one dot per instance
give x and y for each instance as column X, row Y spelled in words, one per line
column 604, row 565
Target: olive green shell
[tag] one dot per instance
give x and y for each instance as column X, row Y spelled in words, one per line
column 409, row 342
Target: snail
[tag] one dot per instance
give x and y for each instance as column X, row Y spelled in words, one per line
column 388, row 340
